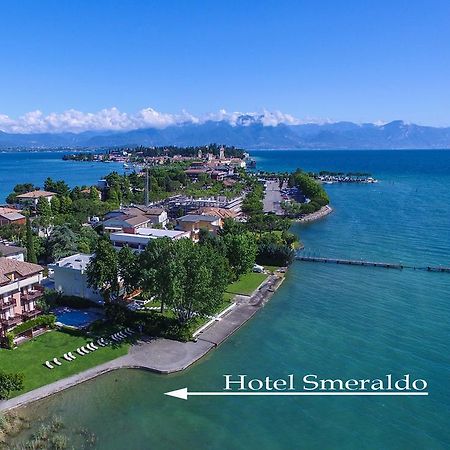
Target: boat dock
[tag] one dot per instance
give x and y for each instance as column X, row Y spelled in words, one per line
column 356, row 262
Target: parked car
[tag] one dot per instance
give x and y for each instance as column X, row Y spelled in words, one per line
column 257, row 268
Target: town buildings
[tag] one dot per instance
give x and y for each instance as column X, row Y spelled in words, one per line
column 132, row 218
column 32, row 198
column 193, row 223
column 11, row 216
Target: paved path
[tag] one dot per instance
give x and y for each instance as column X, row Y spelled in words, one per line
column 164, row 355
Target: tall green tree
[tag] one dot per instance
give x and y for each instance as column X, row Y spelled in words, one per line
column 62, row 242
column 103, row 271
column 128, row 268
column 241, row 252
column 31, row 252
column 159, row 266
column 44, row 215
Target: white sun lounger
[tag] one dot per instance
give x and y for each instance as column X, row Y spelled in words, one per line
column 71, row 355
column 90, row 347
column 67, row 357
column 58, row 363
column 80, row 352
column 101, row 342
column 93, row 346
column 122, row 335
column 83, row 349
column 47, row 364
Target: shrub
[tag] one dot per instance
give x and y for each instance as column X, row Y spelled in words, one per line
column 10, row 382
column 9, row 340
column 41, row 321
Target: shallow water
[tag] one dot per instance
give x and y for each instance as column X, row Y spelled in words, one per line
column 334, row 321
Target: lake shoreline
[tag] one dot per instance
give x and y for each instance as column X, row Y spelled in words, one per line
column 163, row 356
column 323, row 212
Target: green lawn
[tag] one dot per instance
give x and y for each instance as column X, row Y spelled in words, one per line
column 29, row 357
column 247, row 283
column 271, row 268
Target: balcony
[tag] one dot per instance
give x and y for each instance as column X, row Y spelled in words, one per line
column 30, row 314
column 11, row 322
column 31, row 296
column 6, row 304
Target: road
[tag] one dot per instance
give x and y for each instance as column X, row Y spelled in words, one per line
column 272, row 198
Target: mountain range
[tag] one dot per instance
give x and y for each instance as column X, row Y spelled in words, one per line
column 247, row 132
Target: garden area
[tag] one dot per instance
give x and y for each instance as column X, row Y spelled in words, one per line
column 28, row 358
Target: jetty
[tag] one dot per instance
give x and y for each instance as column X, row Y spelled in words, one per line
column 357, row 262
column 350, row 262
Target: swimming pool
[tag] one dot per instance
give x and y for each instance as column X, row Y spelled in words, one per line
column 77, row 318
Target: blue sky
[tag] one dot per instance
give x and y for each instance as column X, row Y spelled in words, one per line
column 352, row 60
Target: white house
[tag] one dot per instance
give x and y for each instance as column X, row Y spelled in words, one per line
column 70, row 277
column 143, row 236
column 12, row 251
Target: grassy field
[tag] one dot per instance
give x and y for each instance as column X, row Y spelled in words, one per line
column 29, row 357
column 271, row 269
column 247, row 283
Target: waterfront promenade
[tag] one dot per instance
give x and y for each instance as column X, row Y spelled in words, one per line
column 163, row 355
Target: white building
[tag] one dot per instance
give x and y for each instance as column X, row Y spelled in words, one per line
column 70, row 277
column 12, row 251
column 143, row 236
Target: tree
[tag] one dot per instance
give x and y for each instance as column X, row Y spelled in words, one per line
column 87, row 240
column 241, row 252
column 204, row 281
column 128, row 268
column 188, row 278
column 44, row 215
column 62, row 242
column 103, row 271
column 10, row 382
column 159, row 266
column 31, row 253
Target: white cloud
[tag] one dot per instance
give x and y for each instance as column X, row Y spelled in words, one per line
column 115, row 120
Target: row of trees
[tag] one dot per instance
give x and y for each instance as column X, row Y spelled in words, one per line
column 311, row 189
column 189, row 279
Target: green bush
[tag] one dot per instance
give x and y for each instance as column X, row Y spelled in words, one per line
column 52, row 299
column 10, row 382
column 41, row 321
column 10, row 340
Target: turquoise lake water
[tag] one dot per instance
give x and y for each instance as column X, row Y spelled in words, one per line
column 330, row 320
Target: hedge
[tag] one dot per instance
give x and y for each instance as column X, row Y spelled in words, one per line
column 41, row 321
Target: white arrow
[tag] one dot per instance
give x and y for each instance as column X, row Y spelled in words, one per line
column 184, row 394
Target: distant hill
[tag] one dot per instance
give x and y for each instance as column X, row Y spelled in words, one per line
column 249, row 132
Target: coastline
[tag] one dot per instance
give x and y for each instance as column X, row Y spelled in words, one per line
column 324, row 211
column 164, row 356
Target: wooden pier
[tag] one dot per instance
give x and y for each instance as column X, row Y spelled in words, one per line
column 356, row 262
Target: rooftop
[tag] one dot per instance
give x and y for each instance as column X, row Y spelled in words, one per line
column 78, row 261
column 24, row 269
column 12, row 216
column 158, row 233
column 8, row 250
column 36, row 194
column 198, row 218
